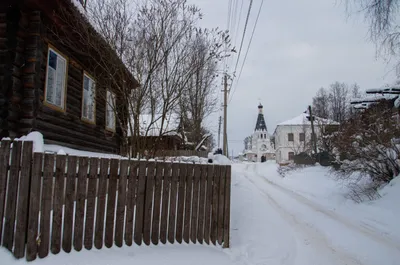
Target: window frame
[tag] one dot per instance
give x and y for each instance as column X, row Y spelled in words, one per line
column 290, row 154
column 292, row 136
column 302, row 139
column 64, row 92
column 94, row 99
column 115, row 116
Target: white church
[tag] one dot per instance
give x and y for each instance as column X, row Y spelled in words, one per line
column 258, row 146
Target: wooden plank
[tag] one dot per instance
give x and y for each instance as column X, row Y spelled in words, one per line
column 4, row 163
column 80, row 203
column 209, row 196
column 188, row 202
column 58, row 196
column 101, row 203
column 139, row 210
column 46, row 205
column 221, row 208
column 181, row 202
column 173, row 202
column 227, row 210
column 214, row 205
column 91, row 202
column 34, row 202
column 111, row 195
column 195, row 203
column 155, row 228
column 23, row 197
column 131, row 197
column 165, row 202
column 69, row 204
column 148, row 203
column 202, row 199
column 11, row 202
column 120, row 215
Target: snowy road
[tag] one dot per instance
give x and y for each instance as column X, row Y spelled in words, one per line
column 274, row 221
column 283, row 227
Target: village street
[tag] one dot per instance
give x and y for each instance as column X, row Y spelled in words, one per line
column 274, row 221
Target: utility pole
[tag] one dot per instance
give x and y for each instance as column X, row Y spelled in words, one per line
column 314, row 138
column 219, row 131
column 225, row 149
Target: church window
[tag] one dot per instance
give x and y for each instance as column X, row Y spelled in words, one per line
column 290, row 137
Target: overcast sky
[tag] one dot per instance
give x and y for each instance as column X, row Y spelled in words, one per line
column 298, row 47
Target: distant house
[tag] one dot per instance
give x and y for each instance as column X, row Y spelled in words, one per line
column 49, row 87
column 294, row 136
column 157, row 134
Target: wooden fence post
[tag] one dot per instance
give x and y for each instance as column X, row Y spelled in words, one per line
column 227, row 208
column 4, row 163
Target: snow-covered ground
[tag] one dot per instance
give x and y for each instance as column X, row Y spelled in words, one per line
column 302, row 219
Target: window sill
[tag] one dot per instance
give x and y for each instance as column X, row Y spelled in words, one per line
column 54, row 107
column 91, row 122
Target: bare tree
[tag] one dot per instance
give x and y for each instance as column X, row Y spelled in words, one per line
column 321, row 103
column 382, row 16
column 339, row 104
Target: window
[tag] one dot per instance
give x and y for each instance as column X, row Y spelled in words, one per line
column 302, row 137
column 56, row 74
column 261, row 136
column 110, row 111
column 265, row 136
column 291, row 155
column 88, row 99
column 290, row 137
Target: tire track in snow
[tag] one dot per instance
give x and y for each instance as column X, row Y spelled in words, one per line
column 349, row 224
column 311, row 236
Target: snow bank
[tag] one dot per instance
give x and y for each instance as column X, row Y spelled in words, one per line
column 221, row 160
column 36, row 138
column 62, row 150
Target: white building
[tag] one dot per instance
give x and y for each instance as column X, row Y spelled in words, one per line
column 294, row 136
column 259, row 144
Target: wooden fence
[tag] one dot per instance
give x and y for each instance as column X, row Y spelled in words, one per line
column 164, row 153
column 107, row 201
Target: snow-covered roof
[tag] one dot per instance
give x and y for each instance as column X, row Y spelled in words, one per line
column 152, row 125
column 303, row 119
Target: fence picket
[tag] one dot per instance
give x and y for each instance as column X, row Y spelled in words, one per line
column 23, row 197
column 120, row 218
column 34, row 202
column 214, row 206
column 155, row 228
column 139, row 209
column 200, row 227
column 45, row 210
column 91, row 203
column 58, row 196
column 130, row 201
column 209, row 199
column 195, row 203
column 221, row 208
column 4, row 162
column 148, row 203
column 11, row 202
column 165, row 202
column 181, row 202
column 188, row 203
column 173, row 202
column 111, row 196
column 227, row 205
column 69, row 204
column 101, row 203
column 80, row 203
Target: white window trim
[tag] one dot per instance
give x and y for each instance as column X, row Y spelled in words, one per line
column 113, row 129
column 64, row 89
column 93, row 121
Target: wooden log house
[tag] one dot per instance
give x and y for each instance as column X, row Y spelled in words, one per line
column 47, row 86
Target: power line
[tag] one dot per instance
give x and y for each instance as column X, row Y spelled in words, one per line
column 247, row 51
column 244, row 33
